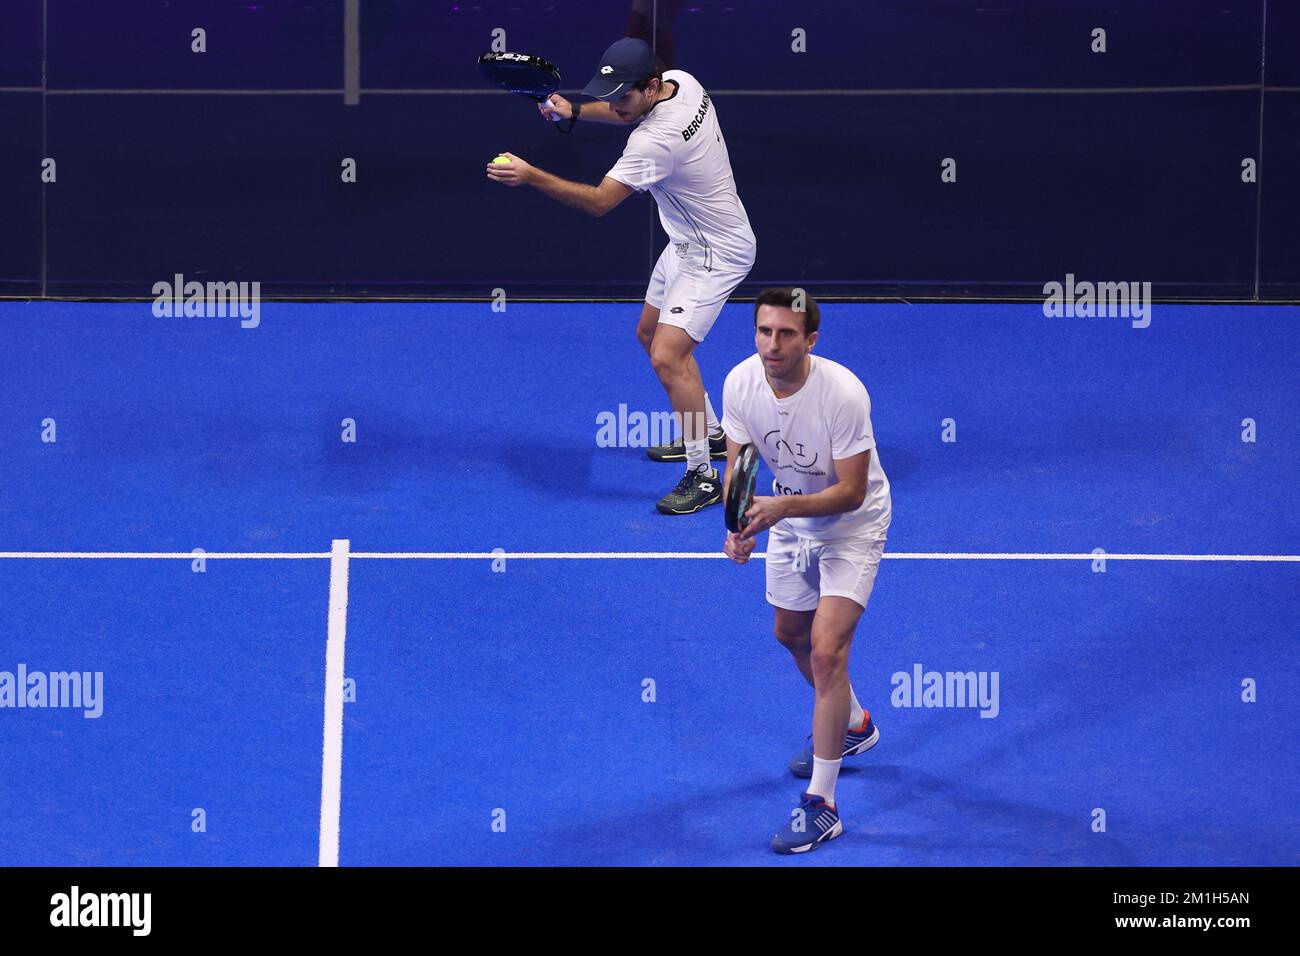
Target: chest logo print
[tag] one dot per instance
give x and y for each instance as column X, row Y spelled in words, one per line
column 797, row 452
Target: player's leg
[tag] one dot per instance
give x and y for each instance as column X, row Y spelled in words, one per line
column 702, row 300
column 676, row 450
column 645, row 334
column 646, row 325
column 670, row 354
column 832, row 635
column 665, row 277
column 802, row 586
column 847, row 570
column 816, row 819
column 793, row 589
column 679, row 374
column 794, row 631
column 717, row 442
column 655, row 291
column 693, row 299
column 847, row 575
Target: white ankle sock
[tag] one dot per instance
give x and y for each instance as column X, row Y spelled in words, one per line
column 856, row 713
column 697, row 455
column 711, row 416
column 825, row 773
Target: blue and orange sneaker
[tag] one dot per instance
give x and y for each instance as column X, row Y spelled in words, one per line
column 811, row 824
column 856, row 742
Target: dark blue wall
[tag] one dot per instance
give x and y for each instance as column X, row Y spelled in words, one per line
column 167, row 163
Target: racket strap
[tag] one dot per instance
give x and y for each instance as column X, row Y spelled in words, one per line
column 572, row 120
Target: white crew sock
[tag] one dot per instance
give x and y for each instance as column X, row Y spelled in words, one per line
column 856, row 713
column 697, row 455
column 715, row 428
column 825, row 773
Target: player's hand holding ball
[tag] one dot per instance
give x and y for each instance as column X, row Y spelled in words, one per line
column 737, row 548
column 558, row 108
column 509, row 170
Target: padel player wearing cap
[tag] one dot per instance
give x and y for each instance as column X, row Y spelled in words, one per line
column 678, row 155
column 810, row 419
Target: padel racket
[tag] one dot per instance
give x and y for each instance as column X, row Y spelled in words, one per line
column 520, row 73
column 740, row 493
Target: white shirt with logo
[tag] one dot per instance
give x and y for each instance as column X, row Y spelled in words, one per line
column 800, row 437
column 677, row 152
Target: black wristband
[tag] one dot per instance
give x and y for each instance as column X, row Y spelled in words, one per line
column 577, row 108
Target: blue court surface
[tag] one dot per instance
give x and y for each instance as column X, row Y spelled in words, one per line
column 496, row 710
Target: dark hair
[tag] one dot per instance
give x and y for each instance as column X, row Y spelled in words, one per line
column 786, row 298
column 642, row 84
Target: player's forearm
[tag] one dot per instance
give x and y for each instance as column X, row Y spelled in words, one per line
column 598, row 111
column 839, row 498
column 578, row 195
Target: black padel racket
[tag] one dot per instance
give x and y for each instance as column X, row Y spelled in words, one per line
column 740, row 494
column 520, row 73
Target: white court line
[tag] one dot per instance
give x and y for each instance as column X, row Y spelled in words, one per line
column 331, row 777
column 191, row 555
column 630, row 556
column 905, row 555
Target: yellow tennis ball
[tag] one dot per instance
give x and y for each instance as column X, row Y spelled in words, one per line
column 501, row 161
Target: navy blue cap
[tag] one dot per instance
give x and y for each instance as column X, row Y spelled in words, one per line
column 626, row 62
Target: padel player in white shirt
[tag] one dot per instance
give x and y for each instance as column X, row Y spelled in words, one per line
column 678, row 155
column 829, row 513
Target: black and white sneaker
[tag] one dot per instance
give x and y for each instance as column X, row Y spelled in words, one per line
column 697, row 490
column 677, row 450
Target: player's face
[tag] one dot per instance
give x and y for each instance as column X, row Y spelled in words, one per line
column 781, row 342
column 633, row 104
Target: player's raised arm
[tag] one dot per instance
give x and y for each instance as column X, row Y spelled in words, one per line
column 597, row 111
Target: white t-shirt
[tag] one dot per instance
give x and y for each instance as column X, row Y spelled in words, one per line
column 800, row 436
column 677, row 153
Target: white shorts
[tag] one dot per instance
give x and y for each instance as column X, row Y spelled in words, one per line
column 844, row 568
column 688, row 295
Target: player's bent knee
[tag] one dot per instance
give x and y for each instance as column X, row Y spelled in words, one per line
column 645, row 332
column 828, row 663
column 667, row 364
column 793, row 639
